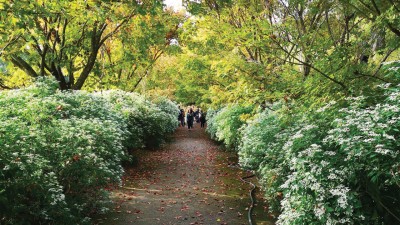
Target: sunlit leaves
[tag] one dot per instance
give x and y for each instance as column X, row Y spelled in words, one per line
column 63, row 38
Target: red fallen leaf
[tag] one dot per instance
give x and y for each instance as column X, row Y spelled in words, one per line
column 137, row 211
column 76, row 158
column 185, row 207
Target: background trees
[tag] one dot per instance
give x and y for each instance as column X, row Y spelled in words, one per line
column 263, row 51
column 241, row 51
column 75, row 40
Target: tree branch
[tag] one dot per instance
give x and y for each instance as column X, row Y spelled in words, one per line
column 9, row 44
column 384, row 59
column 385, row 207
column 370, row 76
column 329, row 28
column 20, row 63
column 125, row 20
column 311, row 66
column 393, row 29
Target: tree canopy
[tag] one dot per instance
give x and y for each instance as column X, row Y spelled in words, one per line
column 220, row 51
column 264, row 51
column 72, row 40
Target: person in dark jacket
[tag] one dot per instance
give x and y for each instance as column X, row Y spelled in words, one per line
column 190, row 118
column 197, row 115
column 181, row 117
column 202, row 119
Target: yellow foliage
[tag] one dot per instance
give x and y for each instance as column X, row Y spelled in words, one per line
column 17, row 79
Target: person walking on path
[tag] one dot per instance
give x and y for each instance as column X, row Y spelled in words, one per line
column 197, row 115
column 202, row 119
column 190, row 118
column 181, row 117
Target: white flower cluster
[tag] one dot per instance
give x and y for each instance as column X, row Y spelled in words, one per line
column 315, row 165
column 66, row 143
column 341, row 193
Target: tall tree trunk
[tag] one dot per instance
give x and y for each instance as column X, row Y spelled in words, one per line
column 96, row 43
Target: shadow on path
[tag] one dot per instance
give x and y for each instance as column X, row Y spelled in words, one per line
column 187, row 181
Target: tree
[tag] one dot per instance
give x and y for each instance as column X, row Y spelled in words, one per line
column 258, row 51
column 63, row 38
column 127, row 59
column 384, row 12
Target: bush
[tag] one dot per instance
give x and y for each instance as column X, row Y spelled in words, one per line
column 225, row 125
column 211, row 124
column 348, row 172
column 148, row 122
column 261, row 150
column 61, row 149
column 171, row 113
column 341, row 172
column 335, row 165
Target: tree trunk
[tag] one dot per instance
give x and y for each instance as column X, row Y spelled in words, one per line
column 96, row 43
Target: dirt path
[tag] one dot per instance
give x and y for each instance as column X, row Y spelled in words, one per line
column 187, row 181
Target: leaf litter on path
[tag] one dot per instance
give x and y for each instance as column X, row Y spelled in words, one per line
column 187, row 181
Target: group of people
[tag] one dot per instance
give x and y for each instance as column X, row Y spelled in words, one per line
column 188, row 119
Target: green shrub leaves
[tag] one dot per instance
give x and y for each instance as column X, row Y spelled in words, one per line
column 60, row 150
column 339, row 164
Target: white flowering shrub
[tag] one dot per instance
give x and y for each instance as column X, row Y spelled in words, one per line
column 133, row 107
column 148, row 123
column 60, row 150
column 211, row 124
column 227, row 122
column 155, row 126
column 171, row 113
column 315, row 188
column 261, row 150
column 336, row 165
column 342, row 172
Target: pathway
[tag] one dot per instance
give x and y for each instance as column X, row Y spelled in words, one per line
column 187, row 181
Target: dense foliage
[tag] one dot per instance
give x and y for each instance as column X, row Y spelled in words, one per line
column 91, row 44
column 224, row 126
column 265, row 51
column 335, row 165
column 60, row 149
